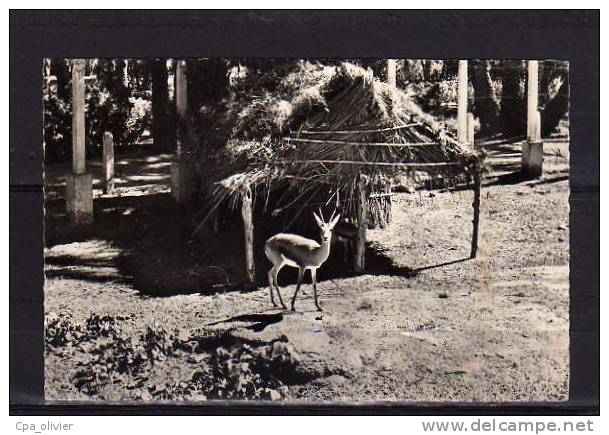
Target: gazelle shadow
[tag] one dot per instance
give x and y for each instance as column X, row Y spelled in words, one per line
column 259, row 320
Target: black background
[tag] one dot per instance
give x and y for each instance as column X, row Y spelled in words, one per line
column 34, row 35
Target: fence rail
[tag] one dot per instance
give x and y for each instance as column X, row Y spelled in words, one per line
column 379, row 130
column 366, row 144
column 355, row 162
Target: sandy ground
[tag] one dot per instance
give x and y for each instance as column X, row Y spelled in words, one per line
column 495, row 328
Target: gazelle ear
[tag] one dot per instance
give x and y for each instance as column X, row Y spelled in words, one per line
column 334, row 221
column 317, row 218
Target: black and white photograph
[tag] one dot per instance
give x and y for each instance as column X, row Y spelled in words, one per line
column 306, row 230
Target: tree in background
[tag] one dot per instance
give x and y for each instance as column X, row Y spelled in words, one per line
column 207, row 82
column 131, row 97
column 208, row 89
column 554, row 94
column 138, row 77
column 113, row 102
column 487, row 104
column 57, row 109
column 513, row 115
column 161, row 111
column 108, row 104
column 499, row 97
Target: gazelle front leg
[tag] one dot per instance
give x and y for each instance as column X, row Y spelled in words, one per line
column 300, row 275
column 314, row 278
column 275, row 274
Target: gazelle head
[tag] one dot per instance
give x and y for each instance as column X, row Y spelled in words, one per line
column 326, row 227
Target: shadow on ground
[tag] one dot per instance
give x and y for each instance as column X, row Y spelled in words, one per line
column 145, row 241
column 258, row 321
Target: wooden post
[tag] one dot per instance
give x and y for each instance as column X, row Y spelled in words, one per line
column 387, row 208
column 362, row 224
column 532, row 98
column 248, row 226
column 470, row 129
column 79, row 184
column 179, row 167
column 391, row 72
column 181, row 90
column 108, row 162
column 78, row 117
column 532, row 149
column 476, row 219
column 462, row 88
column 536, row 127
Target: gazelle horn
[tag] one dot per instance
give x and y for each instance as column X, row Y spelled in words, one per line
column 321, row 215
column 332, row 217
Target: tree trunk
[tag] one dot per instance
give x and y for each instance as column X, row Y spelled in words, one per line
column 555, row 108
column 248, row 228
column 60, row 69
column 207, row 83
column 426, row 70
column 513, row 103
column 160, row 105
column 486, row 104
column 413, row 70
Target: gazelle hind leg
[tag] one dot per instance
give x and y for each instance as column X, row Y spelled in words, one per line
column 277, row 269
column 314, row 279
column 270, row 276
column 300, row 275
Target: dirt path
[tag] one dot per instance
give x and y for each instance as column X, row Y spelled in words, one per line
column 490, row 329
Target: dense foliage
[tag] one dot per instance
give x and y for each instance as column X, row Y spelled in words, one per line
column 113, row 357
column 117, row 100
column 123, row 96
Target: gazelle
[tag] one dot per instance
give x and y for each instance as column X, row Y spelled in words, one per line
column 299, row 252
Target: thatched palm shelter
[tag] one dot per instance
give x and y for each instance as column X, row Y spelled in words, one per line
column 335, row 135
